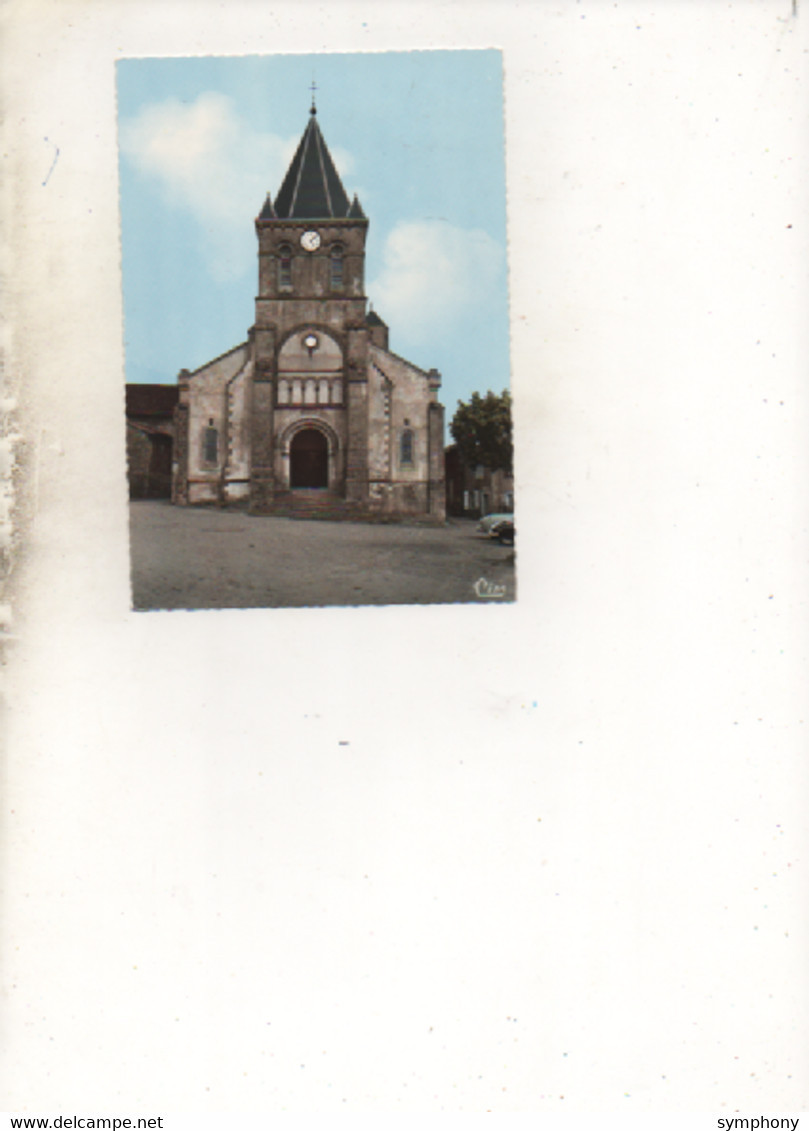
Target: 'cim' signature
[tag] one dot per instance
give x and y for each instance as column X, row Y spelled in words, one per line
column 484, row 588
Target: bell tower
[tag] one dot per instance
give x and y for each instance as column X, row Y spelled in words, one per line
column 310, row 338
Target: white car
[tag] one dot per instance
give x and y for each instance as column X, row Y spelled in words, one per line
column 491, row 523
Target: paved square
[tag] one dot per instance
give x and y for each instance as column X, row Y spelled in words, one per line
column 206, row 558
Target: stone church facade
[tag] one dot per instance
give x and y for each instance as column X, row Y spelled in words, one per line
column 312, row 412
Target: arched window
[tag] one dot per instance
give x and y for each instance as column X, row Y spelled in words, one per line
column 406, row 446
column 285, row 266
column 336, row 261
column 210, row 444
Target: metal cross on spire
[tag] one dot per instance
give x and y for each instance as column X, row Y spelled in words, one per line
column 313, row 88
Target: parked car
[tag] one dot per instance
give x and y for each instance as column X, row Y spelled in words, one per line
column 491, row 523
column 505, row 533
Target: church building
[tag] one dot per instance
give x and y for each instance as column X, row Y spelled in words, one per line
column 313, row 413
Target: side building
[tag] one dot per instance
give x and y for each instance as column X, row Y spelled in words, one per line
column 475, row 491
column 313, row 412
column 149, row 439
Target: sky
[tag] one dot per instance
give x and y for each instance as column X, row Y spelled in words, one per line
column 418, row 135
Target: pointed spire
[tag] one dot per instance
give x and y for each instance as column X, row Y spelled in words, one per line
column 312, row 189
column 355, row 212
column 267, row 212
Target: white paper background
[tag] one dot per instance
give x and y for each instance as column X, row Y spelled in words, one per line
column 562, row 852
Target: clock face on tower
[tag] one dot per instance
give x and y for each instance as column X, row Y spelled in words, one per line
column 310, row 241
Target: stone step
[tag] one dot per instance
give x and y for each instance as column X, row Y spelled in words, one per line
column 312, row 503
column 320, row 504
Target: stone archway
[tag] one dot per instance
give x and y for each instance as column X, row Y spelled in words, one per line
column 309, row 459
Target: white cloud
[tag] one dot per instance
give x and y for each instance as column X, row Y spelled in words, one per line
column 433, row 273
column 212, row 163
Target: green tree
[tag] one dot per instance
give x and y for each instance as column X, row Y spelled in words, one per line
column 482, row 430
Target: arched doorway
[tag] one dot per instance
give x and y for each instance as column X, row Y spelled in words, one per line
column 309, row 459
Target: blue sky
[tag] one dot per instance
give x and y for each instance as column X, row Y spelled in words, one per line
column 418, row 135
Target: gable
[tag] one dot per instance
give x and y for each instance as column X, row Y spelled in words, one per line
column 223, row 368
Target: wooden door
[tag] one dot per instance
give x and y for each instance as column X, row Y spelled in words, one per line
column 309, row 459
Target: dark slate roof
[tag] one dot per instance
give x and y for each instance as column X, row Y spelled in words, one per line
column 151, row 400
column 373, row 319
column 312, row 189
column 267, row 212
column 355, row 212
